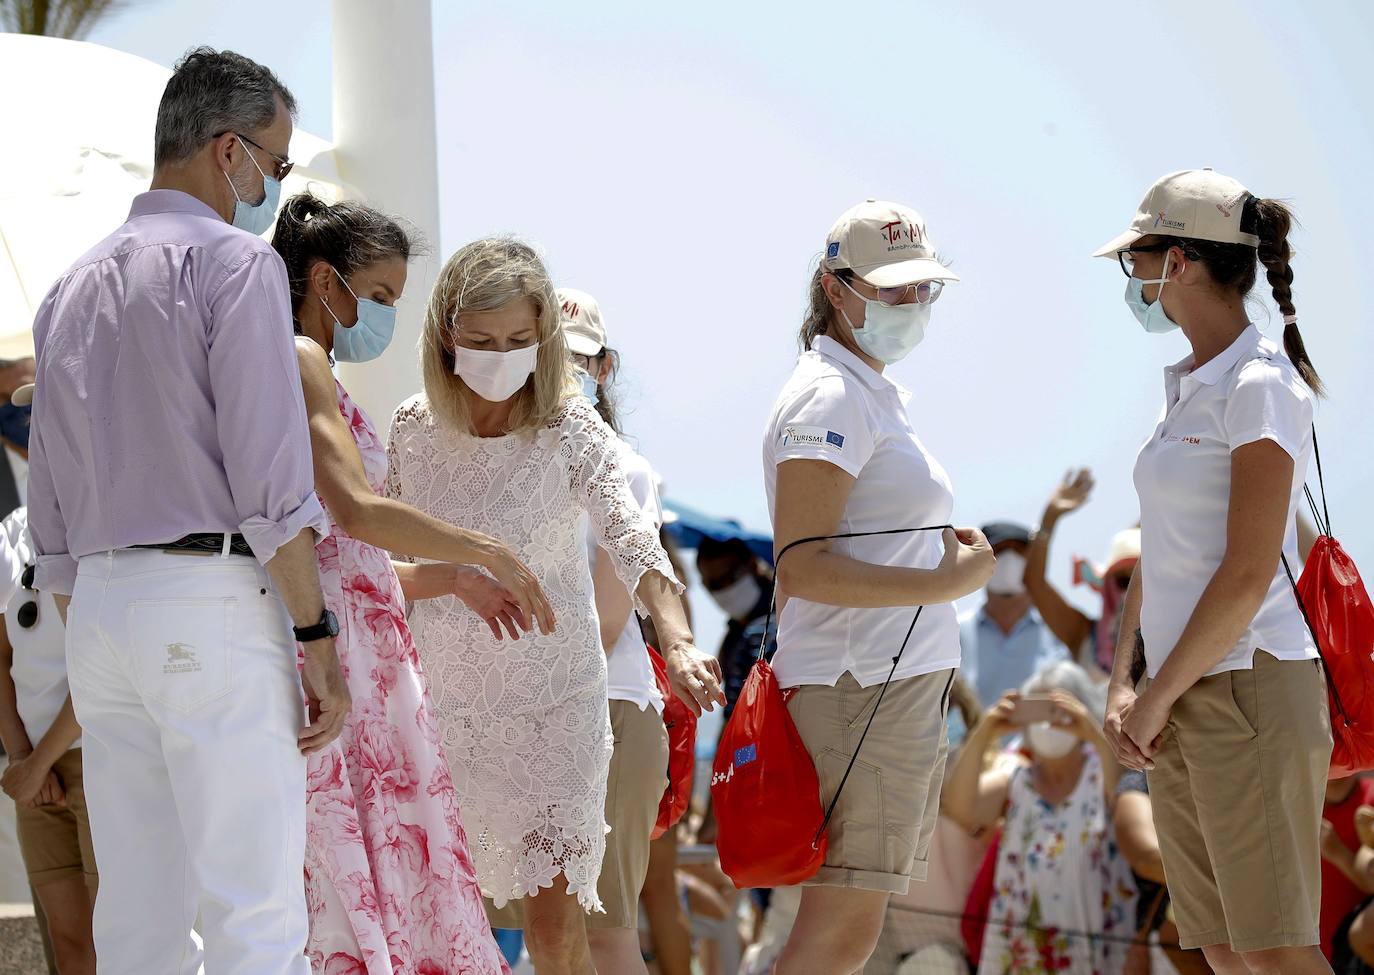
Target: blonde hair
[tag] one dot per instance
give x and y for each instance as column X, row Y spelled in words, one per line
column 483, row 276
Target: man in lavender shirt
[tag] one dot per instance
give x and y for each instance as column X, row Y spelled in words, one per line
column 172, row 498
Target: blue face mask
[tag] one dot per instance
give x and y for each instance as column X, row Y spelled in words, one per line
column 14, row 424
column 590, row 389
column 256, row 217
column 368, row 337
column 1152, row 317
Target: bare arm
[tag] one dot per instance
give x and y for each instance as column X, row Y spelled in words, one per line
column 970, row 796
column 296, row 577
column 1135, row 834
column 385, row 522
column 1070, row 625
column 613, row 602
column 811, row 497
column 1257, row 519
column 1121, row 695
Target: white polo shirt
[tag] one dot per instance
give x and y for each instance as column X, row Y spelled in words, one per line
column 837, row 409
column 1183, row 477
column 629, row 674
column 39, row 667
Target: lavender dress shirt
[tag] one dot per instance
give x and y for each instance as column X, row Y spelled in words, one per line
column 168, row 398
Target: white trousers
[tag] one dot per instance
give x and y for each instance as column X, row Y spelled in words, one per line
column 183, row 676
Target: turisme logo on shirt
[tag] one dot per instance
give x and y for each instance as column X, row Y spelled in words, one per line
column 794, row 436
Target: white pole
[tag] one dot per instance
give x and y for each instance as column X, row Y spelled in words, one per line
column 384, row 135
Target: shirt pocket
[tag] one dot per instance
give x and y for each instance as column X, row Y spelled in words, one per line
column 183, row 649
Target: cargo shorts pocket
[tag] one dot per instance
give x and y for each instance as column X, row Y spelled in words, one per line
column 856, row 828
column 182, row 649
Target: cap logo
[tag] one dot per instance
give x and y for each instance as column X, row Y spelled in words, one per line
column 897, row 231
column 832, row 249
column 1226, row 206
column 570, row 309
column 1163, row 221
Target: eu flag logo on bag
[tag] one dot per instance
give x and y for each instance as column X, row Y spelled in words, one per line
column 745, row 755
column 832, row 437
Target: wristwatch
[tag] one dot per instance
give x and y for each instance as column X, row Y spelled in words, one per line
column 328, row 626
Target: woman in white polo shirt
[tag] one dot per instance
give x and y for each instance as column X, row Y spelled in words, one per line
column 1232, row 724
column 840, row 456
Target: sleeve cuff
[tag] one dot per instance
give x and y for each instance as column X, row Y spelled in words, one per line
column 265, row 536
column 55, row 574
column 664, row 568
column 1294, row 450
column 850, row 465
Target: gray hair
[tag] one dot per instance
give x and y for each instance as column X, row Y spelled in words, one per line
column 212, row 92
column 1067, row 676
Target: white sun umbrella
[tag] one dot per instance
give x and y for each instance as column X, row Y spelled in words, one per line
column 78, row 128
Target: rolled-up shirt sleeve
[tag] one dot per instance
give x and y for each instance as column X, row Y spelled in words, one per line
column 259, row 408
column 54, row 567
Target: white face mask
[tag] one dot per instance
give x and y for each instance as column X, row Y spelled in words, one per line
column 738, row 599
column 889, row 332
column 495, row 376
column 1047, row 741
column 1009, row 575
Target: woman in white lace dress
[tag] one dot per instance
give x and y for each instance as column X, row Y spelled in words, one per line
column 502, row 442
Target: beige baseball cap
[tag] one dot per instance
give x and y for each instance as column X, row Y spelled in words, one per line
column 23, row 396
column 583, row 328
column 1197, row 203
column 886, row 244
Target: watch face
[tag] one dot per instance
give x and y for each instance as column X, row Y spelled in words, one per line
column 331, row 622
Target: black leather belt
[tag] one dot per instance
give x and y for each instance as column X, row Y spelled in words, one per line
column 204, row 543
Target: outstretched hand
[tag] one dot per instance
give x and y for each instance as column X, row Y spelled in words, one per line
column 1073, row 492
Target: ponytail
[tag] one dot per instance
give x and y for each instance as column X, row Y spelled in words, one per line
column 1273, row 220
column 347, row 236
column 819, row 311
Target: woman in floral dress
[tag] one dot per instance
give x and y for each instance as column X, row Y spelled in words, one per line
column 1063, row 895
column 389, row 881
column 502, row 441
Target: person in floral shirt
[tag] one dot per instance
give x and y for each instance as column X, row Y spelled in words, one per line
column 1063, row 895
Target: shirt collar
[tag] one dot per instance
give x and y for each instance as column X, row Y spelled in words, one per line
column 169, row 201
column 834, row 352
column 1210, row 372
column 1032, row 618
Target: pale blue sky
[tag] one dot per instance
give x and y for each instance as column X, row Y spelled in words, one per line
column 683, row 162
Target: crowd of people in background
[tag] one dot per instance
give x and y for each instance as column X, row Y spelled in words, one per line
column 282, row 692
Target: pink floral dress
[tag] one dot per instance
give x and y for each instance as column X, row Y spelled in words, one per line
column 389, row 882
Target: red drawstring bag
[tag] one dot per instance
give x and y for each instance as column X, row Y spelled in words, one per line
column 770, row 827
column 765, row 792
column 682, row 743
column 973, row 925
column 1340, row 617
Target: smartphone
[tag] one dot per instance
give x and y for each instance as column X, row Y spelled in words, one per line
column 1032, row 709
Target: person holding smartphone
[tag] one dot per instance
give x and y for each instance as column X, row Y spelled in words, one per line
column 1059, row 870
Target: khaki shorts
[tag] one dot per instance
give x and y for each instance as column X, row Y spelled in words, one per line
column 634, row 787
column 879, row 835
column 1237, row 792
column 56, row 840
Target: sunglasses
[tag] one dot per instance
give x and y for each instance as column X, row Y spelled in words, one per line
column 283, row 167
column 27, row 615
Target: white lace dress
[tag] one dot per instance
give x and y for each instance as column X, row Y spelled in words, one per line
column 525, row 723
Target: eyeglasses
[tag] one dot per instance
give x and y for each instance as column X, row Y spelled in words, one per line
column 1127, row 259
column 27, row 614
column 587, row 363
column 284, row 166
column 921, row 292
